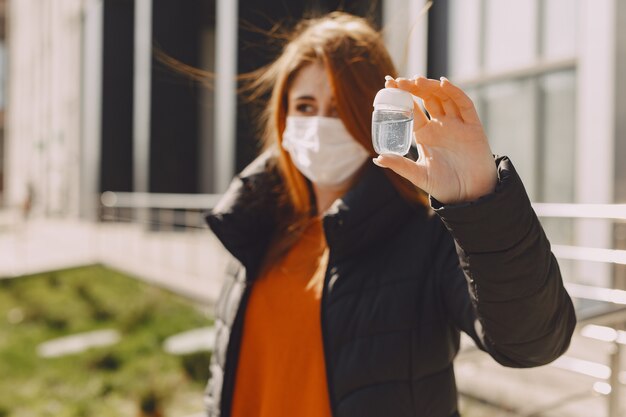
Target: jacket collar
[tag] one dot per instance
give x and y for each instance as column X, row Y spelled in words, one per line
column 370, row 212
column 244, row 218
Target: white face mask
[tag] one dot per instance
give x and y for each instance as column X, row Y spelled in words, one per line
column 322, row 149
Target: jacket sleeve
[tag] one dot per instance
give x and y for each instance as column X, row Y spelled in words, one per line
column 499, row 280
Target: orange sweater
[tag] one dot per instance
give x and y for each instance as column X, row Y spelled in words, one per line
column 281, row 370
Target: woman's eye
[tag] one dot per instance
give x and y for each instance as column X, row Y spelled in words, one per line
column 305, row 108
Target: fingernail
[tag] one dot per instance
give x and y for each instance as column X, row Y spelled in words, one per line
column 376, row 161
column 444, row 79
column 388, row 78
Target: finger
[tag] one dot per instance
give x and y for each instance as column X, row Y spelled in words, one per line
column 465, row 105
column 419, row 117
column 411, row 85
column 422, row 152
column 425, row 89
column 449, row 106
column 390, row 82
column 404, row 167
column 434, row 108
column 404, row 83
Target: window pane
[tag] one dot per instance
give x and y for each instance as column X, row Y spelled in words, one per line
column 558, row 134
column 509, row 115
column 464, row 38
column 559, row 28
column 559, row 151
column 511, row 34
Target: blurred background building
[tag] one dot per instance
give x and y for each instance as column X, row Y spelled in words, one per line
column 3, row 50
column 544, row 76
column 92, row 106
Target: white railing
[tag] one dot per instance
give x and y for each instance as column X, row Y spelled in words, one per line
column 159, row 211
column 616, row 212
column 159, row 201
column 581, row 211
column 614, row 316
column 164, row 238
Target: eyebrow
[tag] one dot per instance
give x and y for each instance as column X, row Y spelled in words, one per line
column 311, row 98
column 305, row 98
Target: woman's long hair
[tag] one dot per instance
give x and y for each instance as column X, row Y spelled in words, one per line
column 356, row 62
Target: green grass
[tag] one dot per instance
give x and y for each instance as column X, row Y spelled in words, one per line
column 113, row 381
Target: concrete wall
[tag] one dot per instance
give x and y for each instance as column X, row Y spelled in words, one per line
column 43, row 104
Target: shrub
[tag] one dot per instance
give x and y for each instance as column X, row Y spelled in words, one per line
column 107, row 361
column 196, row 366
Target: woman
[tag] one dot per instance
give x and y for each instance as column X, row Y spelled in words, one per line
column 351, row 291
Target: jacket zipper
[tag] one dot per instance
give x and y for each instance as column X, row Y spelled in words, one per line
column 329, row 379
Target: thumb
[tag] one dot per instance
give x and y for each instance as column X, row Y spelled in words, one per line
column 404, row 167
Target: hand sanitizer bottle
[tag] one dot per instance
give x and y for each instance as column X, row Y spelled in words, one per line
column 392, row 121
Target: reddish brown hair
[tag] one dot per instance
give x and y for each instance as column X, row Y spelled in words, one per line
column 356, row 60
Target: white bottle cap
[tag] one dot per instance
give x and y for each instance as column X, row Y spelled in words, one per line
column 394, row 97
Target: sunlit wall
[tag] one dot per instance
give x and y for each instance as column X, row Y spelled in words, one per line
column 43, row 104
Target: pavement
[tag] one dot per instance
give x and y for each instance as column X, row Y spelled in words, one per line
column 569, row 387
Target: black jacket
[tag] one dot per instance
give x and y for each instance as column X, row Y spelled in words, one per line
column 400, row 285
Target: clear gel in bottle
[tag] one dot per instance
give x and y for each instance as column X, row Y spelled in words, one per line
column 392, row 121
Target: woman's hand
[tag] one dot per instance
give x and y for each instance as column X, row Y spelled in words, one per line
column 455, row 163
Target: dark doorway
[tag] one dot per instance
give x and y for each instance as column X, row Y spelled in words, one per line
column 117, row 96
column 176, row 128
